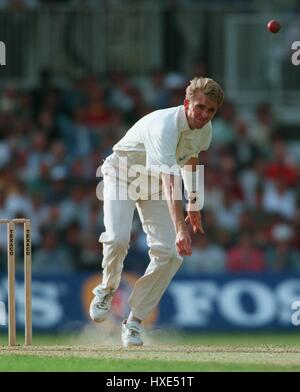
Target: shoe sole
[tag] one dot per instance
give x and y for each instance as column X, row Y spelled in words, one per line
column 99, row 320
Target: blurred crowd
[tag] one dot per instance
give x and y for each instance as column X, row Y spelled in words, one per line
column 53, row 139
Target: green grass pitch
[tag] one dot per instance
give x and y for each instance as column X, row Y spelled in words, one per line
column 231, row 352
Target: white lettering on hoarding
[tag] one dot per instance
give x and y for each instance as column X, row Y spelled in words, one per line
column 261, row 296
column 194, row 302
column 197, row 302
column 47, row 309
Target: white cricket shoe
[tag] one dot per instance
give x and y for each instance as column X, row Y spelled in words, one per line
column 100, row 306
column 131, row 333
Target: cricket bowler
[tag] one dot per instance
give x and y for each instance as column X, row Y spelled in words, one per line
column 167, row 144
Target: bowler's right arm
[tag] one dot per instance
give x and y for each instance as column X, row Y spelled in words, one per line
column 172, row 191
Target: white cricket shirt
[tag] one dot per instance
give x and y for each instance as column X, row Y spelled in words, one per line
column 166, row 139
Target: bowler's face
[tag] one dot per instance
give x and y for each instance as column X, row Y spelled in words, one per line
column 200, row 110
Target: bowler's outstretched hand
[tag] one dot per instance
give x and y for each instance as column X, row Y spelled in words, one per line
column 184, row 243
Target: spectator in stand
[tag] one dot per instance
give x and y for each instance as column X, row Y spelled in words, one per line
column 4, row 212
column 91, row 253
column 154, row 90
column 139, row 108
column 74, row 97
column 215, row 233
column 175, row 84
column 245, row 256
column 94, row 221
column 246, row 222
column 280, row 168
column 42, row 91
column 224, row 132
column 120, row 93
column 281, row 256
column 227, row 175
column 73, row 243
column 250, row 179
column 40, row 211
column 75, row 207
column 244, row 151
column 207, row 257
column 295, row 223
column 228, row 213
column 97, row 114
column 38, row 156
column 8, row 101
column 18, row 201
column 53, row 218
column 58, row 187
column 279, row 199
column 262, row 217
column 213, row 193
column 24, row 105
column 261, row 127
column 46, row 124
column 51, row 257
column 58, row 157
column 79, row 138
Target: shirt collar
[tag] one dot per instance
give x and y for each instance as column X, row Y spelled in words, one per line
column 183, row 124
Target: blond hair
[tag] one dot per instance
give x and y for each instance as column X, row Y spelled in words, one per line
column 208, row 87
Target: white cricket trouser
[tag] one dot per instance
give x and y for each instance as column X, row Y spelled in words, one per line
column 158, row 226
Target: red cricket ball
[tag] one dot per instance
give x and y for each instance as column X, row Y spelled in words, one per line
column 274, row 26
